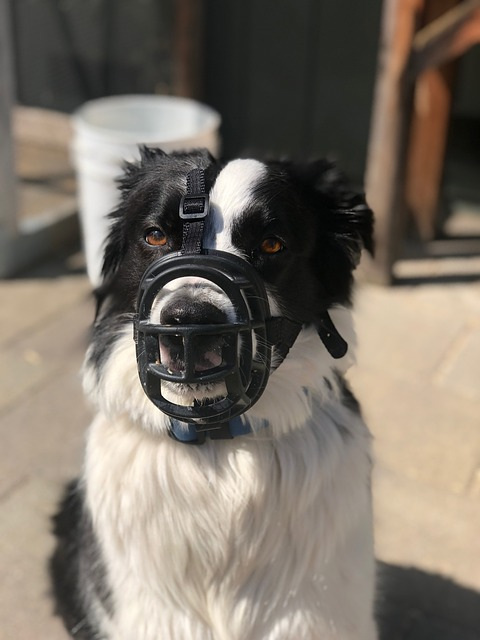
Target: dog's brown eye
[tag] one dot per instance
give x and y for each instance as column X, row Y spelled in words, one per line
column 271, row 245
column 155, row 238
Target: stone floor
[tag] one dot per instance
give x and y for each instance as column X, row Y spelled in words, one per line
column 418, row 377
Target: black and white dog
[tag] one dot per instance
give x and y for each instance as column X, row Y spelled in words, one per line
column 210, row 509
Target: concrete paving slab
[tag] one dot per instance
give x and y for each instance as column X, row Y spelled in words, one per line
column 41, row 351
column 31, row 302
column 469, row 297
column 43, row 413
column 474, row 486
column 461, row 370
column 42, row 426
column 44, row 436
column 26, row 608
column 405, row 331
column 421, row 432
column 426, row 528
column 31, row 361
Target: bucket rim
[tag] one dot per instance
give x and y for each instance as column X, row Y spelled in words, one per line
column 82, row 126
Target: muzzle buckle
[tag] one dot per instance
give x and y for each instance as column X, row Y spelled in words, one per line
column 194, row 207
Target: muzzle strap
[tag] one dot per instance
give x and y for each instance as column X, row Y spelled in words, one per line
column 336, row 346
column 281, row 334
column 194, row 207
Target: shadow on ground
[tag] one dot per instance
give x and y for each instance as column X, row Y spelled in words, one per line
column 415, row 605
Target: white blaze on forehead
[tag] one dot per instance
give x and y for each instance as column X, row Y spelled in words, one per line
column 231, row 195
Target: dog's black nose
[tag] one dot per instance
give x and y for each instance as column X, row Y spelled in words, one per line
column 188, row 311
column 205, row 351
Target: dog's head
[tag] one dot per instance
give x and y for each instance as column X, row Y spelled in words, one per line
column 300, row 228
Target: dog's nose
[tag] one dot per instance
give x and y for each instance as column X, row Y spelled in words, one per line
column 205, row 351
column 188, row 311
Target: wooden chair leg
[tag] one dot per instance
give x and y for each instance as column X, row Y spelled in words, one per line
column 384, row 177
column 451, row 27
column 187, row 70
column 405, row 159
column 427, row 147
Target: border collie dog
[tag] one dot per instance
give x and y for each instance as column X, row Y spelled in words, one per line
column 256, row 525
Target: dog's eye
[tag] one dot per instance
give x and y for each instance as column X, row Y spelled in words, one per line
column 155, row 238
column 271, row 245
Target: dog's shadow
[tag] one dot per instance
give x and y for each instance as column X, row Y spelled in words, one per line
column 415, row 605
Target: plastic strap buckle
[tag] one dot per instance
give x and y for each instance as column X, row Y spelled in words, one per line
column 194, row 207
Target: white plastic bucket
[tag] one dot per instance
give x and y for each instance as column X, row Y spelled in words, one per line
column 107, row 133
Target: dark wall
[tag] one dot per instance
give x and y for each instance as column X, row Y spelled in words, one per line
column 293, row 77
column 70, row 51
column 290, row 77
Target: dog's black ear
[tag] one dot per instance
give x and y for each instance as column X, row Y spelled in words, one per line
column 150, row 154
column 115, row 243
column 134, row 175
column 345, row 214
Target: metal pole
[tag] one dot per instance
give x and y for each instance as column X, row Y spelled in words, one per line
column 8, row 188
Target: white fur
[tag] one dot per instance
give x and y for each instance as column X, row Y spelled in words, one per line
column 235, row 540
column 227, row 203
column 265, row 537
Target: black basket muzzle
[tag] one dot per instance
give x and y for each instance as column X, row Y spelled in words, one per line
column 236, row 378
column 245, row 348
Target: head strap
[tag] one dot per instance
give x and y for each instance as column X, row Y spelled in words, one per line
column 194, row 208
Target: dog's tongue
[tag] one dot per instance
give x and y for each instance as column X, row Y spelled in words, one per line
column 208, row 360
column 207, row 355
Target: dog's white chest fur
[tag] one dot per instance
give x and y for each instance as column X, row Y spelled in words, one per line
column 258, row 539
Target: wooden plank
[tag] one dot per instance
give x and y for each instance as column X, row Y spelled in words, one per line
column 428, row 132
column 187, row 63
column 8, row 205
column 448, row 36
column 387, row 145
column 428, row 141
